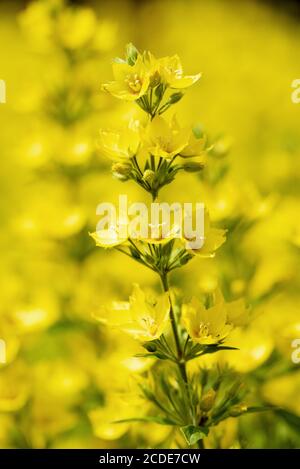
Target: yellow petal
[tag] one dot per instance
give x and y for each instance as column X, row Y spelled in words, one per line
column 107, row 238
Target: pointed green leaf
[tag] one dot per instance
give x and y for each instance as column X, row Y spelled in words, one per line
column 159, row 420
column 131, row 54
column 193, row 434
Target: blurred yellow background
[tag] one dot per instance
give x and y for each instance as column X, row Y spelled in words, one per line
column 65, row 378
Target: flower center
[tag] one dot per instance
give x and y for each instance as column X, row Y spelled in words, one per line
column 165, row 143
column 174, row 71
column 134, row 82
column 150, row 325
column 203, row 330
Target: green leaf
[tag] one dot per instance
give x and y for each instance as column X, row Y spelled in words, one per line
column 238, row 410
column 261, row 408
column 199, row 350
column 218, row 348
column 159, row 91
column 159, row 420
column 193, row 434
column 144, row 355
column 131, row 54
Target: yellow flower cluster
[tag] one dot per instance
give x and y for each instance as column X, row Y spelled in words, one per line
column 134, row 77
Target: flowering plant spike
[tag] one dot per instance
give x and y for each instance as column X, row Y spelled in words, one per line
column 172, row 332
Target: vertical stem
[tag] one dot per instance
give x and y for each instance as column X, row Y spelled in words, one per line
column 154, row 196
column 181, row 364
column 200, row 444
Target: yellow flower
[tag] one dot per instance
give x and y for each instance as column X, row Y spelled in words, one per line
column 131, row 81
column 120, row 145
column 237, row 311
column 213, row 238
column 205, row 326
column 195, row 146
column 120, row 405
column 158, row 233
column 103, row 419
column 37, row 23
column 255, row 347
column 212, row 325
column 143, row 317
column 172, row 74
column 110, row 237
column 14, row 388
column 283, row 391
column 76, row 27
column 165, row 139
column 37, row 314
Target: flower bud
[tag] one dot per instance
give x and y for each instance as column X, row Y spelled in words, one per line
column 121, row 171
column 175, row 97
column 193, row 166
column 208, row 400
column 221, row 147
column 149, row 176
column 150, row 347
column 131, row 54
column 237, row 410
column 155, row 81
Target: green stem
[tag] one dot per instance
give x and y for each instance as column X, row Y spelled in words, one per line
column 180, row 363
column 200, row 444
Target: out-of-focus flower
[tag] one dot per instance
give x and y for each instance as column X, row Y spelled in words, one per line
column 254, row 348
column 36, row 315
column 63, row 380
column 121, row 404
column 103, row 418
column 105, row 35
column 49, row 418
column 237, row 311
column 53, row 23
column 76, row 27
column 37, row 22
column 283, row 391
column 14, row 388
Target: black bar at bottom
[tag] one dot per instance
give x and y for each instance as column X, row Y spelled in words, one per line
column 73, row 458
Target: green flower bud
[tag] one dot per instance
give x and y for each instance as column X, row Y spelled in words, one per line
column 155, row 81
column 131, row 54
column 193, row 166
column 149, row 176
column 237, row 410
column 121, row 171
column 150, row 347
column 221, row 147
column 175, row 97
column 208, row 400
